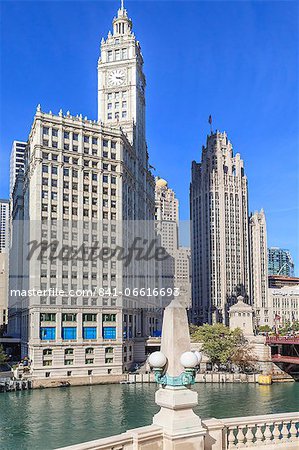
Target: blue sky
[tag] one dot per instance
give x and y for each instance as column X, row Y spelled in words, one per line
column 234, row 60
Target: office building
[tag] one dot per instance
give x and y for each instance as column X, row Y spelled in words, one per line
column 89, row 185
column 219, row 231
column 17, row 162
column 259, row 264
column 280, row 262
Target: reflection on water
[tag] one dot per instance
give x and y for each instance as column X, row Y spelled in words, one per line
column 50, row 418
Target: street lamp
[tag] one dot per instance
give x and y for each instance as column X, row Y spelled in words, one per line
column 189, row 360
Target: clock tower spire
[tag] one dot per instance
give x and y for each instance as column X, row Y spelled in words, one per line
column 121, row 82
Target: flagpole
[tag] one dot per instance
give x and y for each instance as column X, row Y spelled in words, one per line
column 210, row 122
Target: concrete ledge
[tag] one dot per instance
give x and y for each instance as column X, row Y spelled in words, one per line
column 76, row 381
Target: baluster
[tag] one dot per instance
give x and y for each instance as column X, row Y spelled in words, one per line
column 276, row 433
column 231, row 438
column 268, row 434
column 285, row 432
column 259, row 435
column 240, row 437
column 249, row 437
column 293, row 431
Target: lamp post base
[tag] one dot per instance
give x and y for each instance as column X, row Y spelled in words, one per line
column 182, row 428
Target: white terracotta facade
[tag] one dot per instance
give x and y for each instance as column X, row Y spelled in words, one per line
column 87, row 181
column 259, row 266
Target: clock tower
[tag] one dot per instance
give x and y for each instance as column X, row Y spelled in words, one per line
column 121, row 82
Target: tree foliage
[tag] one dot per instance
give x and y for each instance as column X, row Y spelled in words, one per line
column 289, row 328
column 264, row 329
column 223, row 345
column 243, row 357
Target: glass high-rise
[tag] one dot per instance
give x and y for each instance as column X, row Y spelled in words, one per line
column 280, row 262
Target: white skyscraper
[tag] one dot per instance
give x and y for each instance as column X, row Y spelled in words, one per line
column 89, row 184
column 167, row 215
column 219, row 231
column 4, row 226
column 4, row 249
column 16, row 163
column 259, row 266
column 3, row 289
column 177, row 267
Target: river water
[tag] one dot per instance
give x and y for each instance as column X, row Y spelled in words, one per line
column 51, row 418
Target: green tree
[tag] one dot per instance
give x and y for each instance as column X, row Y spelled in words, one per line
column 219, row 342
column 223, row 345
column 289, row 327
column 264, row 329
column 3, row 356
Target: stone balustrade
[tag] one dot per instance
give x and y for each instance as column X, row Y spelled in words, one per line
column 149, row 437
column 267, row 432
column 261, row 432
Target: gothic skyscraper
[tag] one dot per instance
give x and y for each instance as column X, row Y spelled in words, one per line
column 219, row 230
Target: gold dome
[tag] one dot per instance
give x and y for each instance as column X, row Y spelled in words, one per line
column 161, row 183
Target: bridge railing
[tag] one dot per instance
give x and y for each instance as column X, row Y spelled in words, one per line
column 266, row 431
column 282, row 340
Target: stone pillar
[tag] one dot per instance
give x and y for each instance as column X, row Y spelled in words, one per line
column 182, row 428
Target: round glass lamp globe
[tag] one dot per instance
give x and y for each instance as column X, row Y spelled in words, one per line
column 189, row 360
column 157, row 359
column 199, row 356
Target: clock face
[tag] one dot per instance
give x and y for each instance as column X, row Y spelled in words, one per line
column 116, row 77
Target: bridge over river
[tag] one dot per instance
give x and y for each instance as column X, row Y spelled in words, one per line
column 285, row 353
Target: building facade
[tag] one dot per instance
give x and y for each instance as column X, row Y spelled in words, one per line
column 219, row 231
column 4, row 251
column 87, row 185
column 3, row 291
column 278, row 281
column 167, row 215
column 17, row 162
column 183, row 274
column 241, row 316
column 4, row 226
column 283, row 306
column 258, row 263
column 280, row 262
column 177, row 268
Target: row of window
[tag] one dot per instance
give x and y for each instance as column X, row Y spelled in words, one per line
column 67, row 171
column 66, row 184
column 70, row 333
column 116, row 95
column 75, row 161
column 117, row 55
column 72, row 317
column 74, row 301
column 75, row 148
column 117, row 105
column 70, row 351
column 66, row 209
column 75, row 137
column 117, row 115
